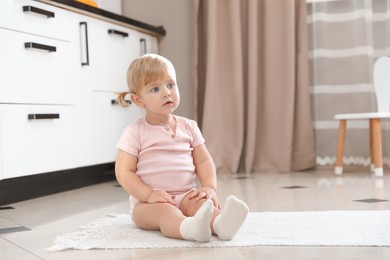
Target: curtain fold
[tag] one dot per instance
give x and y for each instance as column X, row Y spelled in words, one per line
column 252, row 88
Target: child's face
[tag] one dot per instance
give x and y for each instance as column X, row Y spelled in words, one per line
column 160, row 98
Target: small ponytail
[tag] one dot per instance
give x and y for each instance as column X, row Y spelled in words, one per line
column 121, row 99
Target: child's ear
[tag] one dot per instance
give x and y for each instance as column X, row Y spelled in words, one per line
column 137, row 100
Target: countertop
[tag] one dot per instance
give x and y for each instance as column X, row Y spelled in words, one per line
column 106, row 15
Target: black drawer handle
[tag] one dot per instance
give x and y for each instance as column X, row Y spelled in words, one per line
column 115, row 102
column 143, row 48
column 85, row 63
column 28, row 8
column 43, row 116
column 123, row 34
column 40, row 46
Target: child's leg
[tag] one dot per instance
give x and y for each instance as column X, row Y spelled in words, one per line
column 158, row 216
column 171, row 221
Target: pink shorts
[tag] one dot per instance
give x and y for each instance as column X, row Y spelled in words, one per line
column 178, row 198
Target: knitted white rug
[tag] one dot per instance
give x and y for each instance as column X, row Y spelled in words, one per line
column 316, row 228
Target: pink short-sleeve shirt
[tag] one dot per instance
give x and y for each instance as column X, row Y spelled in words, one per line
column 164, row 157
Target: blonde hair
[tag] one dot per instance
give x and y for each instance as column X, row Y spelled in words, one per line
column 145, row 70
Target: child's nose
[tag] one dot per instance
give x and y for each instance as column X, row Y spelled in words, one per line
column 167, row 92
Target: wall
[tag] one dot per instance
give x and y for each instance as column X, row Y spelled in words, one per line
column 114, row 6
column 176, row 45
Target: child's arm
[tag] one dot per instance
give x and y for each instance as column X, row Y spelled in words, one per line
column 125, row 167
column 205, row 170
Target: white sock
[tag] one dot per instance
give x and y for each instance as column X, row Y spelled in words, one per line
column 230, row 220
column 198, row 227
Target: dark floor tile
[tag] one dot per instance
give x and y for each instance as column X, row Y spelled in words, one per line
column 372, row 200
column 5, row 207
column 13, row 229
column 294, row 187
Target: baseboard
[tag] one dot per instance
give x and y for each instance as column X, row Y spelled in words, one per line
column 28, row 187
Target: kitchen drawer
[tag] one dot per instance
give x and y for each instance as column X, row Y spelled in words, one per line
column 37, row 19
column 31, row 146
column 32, row 75
column 110, row 120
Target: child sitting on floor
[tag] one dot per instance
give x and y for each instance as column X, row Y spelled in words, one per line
column 159, row 157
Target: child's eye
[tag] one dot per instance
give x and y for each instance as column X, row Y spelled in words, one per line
column 155, row 90
column 171, row 85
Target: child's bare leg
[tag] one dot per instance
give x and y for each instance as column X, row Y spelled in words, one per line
column 158, row 216
column 171, row 221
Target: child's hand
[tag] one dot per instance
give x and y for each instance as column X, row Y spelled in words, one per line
column 206, row 193
column 160, row 196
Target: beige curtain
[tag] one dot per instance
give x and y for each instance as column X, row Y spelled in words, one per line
column 251, row 84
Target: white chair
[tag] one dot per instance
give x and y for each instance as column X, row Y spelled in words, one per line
column 381, row 77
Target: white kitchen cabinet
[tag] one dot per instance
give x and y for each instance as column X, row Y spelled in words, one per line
column 105, row 54
column 110, row 119
column 36, row 92
column 36, row 74
column 111, row 49
column 36, row 139
column 35, row 18
column 60, row 72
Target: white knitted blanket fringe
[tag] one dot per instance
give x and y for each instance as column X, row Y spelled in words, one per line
column 314, row 228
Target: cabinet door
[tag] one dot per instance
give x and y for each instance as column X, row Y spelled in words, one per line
column 36, row 139
column 110, row 120
column 111, row 49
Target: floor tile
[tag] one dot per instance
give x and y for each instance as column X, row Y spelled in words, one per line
column 9, row 251
column 6, row 223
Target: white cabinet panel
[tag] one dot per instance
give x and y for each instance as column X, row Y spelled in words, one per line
column 110, row 120
column 111, row 50
column 35, row 18
column 148, row 44
column 34, row 75
column 31, row 146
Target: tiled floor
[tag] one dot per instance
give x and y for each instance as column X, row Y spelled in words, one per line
column 27, row 228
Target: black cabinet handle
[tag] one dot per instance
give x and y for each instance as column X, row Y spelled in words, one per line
column 29, row 8
column 34, row 45
column 143, row 49
column 42, row 116
column 123, row 34
column 115, row 102
column 86, row 63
